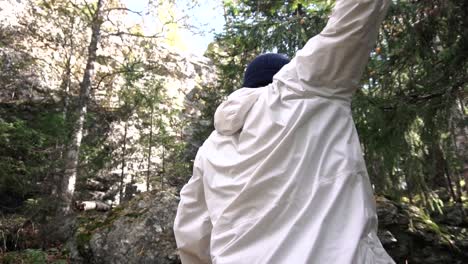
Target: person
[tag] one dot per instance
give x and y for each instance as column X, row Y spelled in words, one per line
column 283, row 179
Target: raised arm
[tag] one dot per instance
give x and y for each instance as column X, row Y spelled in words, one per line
column 331, row 63
column 192, row 225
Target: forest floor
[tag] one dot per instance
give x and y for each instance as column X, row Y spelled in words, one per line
column 415, row 234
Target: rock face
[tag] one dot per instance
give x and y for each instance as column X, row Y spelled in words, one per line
column 140, row 121
column 140, row 231
column 411, row 236
column 179, row 75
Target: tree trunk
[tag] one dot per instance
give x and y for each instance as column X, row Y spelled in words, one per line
column 461, row 140
column 122, row 171
column 148, row 172
column 458, row 177
column 66, row 82
column 408, row 189
column 65, row 89
column 72, row 155
column 163, row 170
column 449, row 180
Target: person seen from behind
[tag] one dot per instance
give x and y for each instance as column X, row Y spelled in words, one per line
column 282, row 179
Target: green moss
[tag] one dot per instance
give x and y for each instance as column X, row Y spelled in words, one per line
column 118, row 209
column 133, row 215
column 90, row 222
column 110, row 219
column 82, row 244
column 28, row 256
column 136, row 214
column 429, row 225
column 83, row 238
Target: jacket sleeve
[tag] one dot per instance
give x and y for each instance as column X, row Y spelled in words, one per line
column 332, row 62
column 230, row 115
column 192, row 225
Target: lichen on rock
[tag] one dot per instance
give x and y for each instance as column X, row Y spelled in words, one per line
column 139, row 231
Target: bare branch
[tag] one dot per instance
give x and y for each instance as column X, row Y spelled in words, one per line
column 156, row 66
column 92, row 12
column 81, row 9
column 122, row 33
column 122, row 9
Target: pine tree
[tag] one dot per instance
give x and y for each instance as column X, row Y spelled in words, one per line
column 404, row 110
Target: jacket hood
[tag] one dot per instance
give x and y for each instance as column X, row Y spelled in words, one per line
column 230, row 115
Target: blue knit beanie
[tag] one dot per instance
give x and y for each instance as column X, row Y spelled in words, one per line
column 261, row 70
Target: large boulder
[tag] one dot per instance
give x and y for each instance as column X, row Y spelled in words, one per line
column 139, row 231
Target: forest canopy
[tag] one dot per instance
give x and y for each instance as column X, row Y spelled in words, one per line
column 411, row 110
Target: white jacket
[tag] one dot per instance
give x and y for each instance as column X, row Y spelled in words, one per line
column 282, row 179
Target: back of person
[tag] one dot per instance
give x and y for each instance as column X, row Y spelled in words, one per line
column 288, row 184
column 282, row 179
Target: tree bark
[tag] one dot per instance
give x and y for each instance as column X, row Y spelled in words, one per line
column 122, row 171
column 163, row 171
column 70, row 174
column 65, row 90
column 460, row 140
column 449, row 180
column 66, row 82
column 148, row 172
column 458, row 177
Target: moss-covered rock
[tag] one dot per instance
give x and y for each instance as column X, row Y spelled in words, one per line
column 410, row 235
column 139, row 231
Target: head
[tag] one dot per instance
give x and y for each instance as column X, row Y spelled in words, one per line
column 261, row 70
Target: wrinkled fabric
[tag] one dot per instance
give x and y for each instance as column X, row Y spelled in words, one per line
column 283, row 179
column 230, row 116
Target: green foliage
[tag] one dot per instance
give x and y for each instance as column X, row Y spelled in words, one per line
column 162, row 125
column 407, row 110
column 28, row 256
column 34, row 256
column 411, row 89
column 95, row 153
column 27, row 153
